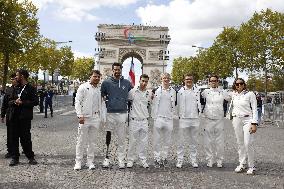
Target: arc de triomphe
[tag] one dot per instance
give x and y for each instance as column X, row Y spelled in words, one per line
column 148, row 44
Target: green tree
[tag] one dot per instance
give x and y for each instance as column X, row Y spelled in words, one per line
column 67, row 61
column 18, row 30
column 226, row 50
column 262, row 42
column 82, row 68
column 182, row 66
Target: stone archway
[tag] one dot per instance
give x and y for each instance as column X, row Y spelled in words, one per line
column 146, row 43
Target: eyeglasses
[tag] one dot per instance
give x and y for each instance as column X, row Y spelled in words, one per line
column 213, row 80
column 188, row 79
column 237, row 84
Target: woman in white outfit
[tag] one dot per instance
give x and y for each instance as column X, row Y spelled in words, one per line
column 244, row 114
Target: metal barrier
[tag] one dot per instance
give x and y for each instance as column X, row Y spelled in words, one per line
column 273, row 113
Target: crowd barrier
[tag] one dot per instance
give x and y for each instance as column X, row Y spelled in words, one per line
column 274, row 114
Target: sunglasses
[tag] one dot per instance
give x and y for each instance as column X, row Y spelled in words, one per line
column 213, row 80
column 238, row 84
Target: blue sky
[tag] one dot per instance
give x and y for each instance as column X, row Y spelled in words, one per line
column 191, row 22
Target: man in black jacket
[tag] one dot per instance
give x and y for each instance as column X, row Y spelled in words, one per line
column 6, row 111
column 20, row 120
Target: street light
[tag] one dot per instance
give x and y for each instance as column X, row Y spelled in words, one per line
column 198, row 47
column 164, row 53
column 99, row 52
column 98, row 55
column 60, row 42
column 56, row 70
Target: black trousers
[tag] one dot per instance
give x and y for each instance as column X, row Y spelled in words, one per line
column 41, row 105
column 21, row 129
column 48, row 104
column 9, row 137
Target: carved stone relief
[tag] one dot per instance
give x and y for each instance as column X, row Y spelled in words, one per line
column 154, row 55
column 155, row 77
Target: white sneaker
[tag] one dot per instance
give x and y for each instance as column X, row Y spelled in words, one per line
column 179, row 164
column 121, row 165
column 78, row 166
column 144, row 164
column 106, row 163
column 91, row 166
column 219, row 164
column 210, row 164
column 129, row 164
column 251, row 171
column 194, row 164
column 240, row 168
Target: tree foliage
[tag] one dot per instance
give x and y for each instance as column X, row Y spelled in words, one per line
column 19, row 30
column 82, row 68
column 256, row 46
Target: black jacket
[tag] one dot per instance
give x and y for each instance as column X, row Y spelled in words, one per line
column 6, row 108
column 29, row 98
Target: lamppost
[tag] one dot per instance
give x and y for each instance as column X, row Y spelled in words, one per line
column 56, row 71
column 99, row 52
column 200, row 48
column 164, row 53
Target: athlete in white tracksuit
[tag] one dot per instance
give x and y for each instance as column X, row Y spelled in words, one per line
column 188, row 108
column 244, row 114
column 88, row 110
column 115, row 91
column 140, row 99
column 163, row 112
column 214, row 122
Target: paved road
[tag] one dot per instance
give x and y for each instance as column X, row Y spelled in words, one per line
column 54, row 144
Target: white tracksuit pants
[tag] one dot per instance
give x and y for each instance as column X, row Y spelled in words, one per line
column 214, row 139
column 87, row 136
column 187, row 132
column 138, row 139
column 162, row 134
column 116, row 123
column 245, row 140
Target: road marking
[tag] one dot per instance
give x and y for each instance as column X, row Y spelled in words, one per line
column 68, row 113
column 59, row 110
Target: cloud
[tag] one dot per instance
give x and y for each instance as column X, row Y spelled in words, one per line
column 199, row 22
column 79, row 10
column 79, row 54
column 73, row 14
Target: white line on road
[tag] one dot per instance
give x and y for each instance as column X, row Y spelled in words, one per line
column 68, row 113
column 59, row 110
